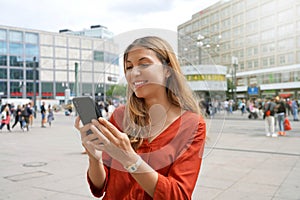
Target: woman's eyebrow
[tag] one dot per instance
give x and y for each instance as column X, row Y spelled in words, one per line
column 140, row 59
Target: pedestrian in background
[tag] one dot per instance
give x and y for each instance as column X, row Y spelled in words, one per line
column 30, row 111
column 18, row 117
column 43, row 113
column 281, row 114
column 269, row 118
column 25, row 117
column 295, row 108
column 5, row 117
column 50, row 116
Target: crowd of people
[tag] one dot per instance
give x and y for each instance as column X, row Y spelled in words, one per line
column 273, row 110
column 24, row 116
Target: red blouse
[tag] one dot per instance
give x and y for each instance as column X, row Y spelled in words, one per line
column 176, row 155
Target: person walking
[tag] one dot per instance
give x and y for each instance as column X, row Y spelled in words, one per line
column 295, row 108
column 269, row 118
column 43, row 113
column 18, row 117
column 25, row 117
column 5, row 117
column 50, row 116
column 281, row 114
column 30, row 111
column 152, row 146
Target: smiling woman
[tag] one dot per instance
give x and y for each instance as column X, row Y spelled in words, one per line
column 152, row 147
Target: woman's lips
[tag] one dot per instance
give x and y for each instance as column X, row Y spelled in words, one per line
column 138, row 84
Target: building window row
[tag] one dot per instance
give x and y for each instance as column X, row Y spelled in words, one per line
column 282, row 77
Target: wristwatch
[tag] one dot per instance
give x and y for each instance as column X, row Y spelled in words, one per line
column 132, row 168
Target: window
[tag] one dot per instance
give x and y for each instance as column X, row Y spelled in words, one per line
column 268, row 21
column 87, row 88
column 32, row 62
column 98, row 56
column 255, row 63
column 281, row 59
column 3, row 49
column 31, row 38
column 15, row 49
column 3, row 87
column 272, row 61
column 3, row 60
column 15, row 36
column 249, row 64
column 16, row 87
column 268, row 35
column 47, row 87
column 286, row 15
column 265, row 62
column 16, row 61
column 285, row 30
column 3, row 73
column 29, row 87
column 286, row 44
column 29, row 74
column 2, row 34
column 16, row 74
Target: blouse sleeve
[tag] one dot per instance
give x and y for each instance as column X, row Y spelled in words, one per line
column 183, row 174
column 98, row 192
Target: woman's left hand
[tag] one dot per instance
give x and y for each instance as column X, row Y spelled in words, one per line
column 114, row 142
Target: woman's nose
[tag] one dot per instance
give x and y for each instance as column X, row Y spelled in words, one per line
column 136, row 70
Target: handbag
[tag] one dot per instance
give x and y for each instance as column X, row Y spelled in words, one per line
column 287, row 124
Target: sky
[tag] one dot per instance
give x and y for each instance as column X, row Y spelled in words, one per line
column 119, row 16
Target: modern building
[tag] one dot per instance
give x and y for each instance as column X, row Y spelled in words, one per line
column 258, row 41
column 56, row 63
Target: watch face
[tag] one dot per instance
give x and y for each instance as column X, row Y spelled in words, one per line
column 132, row 169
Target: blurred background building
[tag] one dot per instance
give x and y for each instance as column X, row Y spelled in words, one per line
column 57, row 65
column 257, row 40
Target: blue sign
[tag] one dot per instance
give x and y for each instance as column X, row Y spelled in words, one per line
column 253, row 90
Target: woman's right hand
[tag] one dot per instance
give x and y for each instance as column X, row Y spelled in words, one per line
column 89, row 142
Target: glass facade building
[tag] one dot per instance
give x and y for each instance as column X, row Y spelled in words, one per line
column 52, row 58
column 262, row 35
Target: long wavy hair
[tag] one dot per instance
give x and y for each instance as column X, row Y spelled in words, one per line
column 136, row 118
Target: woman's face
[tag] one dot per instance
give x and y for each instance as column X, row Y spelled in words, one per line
column 145, row 73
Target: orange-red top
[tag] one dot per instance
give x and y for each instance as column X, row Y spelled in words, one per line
column 176, row 155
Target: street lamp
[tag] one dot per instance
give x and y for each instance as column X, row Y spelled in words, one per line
column 234, row 83
column 203, row 41
column 200, row 43
column 34, row 86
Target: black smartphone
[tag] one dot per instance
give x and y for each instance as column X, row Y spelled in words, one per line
column 86, row 109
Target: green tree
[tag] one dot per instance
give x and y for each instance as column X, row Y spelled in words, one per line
column 116, row 91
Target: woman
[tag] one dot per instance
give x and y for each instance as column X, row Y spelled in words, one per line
column 5, row 118
column 152, row 147
column 281, row 114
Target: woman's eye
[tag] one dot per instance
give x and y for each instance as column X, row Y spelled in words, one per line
column 145, row 65
column 129, row 67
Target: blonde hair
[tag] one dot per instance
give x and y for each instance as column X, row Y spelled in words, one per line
column 136, row 116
